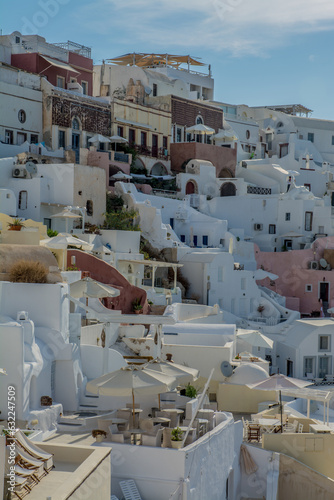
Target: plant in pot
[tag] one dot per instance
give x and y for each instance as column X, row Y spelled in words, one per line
column 99, row 435
column 16, row 225
column 176, row 437
column 191, row 392
column 137, row 307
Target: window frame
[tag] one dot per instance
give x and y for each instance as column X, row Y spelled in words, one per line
column 272, row 229
column 62, row 78
column 84, row 84
column 328, row 345
column 310, row 136
column 9, row 136
column 22, row 116
column 20, row 199
column 287, row 216
column 308, row 223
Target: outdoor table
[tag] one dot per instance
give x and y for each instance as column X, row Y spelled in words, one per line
column 161, row 420
column 173, row 411
column 137, row 412
column 267, row 424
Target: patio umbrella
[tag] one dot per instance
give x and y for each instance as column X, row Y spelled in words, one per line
column 131, row 381
column 117, row 139
column 66, row 214
column 199, row 128
column 89, row 288
column 120, row 175
column 261, row 274
column 255, row 338
column 183, row 374
column 276, row 383
column 62, row 241
column 99, row 138
column 225, row 135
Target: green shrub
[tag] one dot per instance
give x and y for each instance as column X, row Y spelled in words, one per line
column 52, row 233
column 191, row 392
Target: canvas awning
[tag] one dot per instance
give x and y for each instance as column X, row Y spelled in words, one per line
column 59, row 64
column 146, row 60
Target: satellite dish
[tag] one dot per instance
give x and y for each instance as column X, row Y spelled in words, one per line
column 226, row 369
column 31, row 167
column 323, row 263
column 148, row 90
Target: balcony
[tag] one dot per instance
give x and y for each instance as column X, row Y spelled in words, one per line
column 122, row 157
column 153, row 152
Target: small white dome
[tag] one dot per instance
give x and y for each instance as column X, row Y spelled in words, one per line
column 248, row 373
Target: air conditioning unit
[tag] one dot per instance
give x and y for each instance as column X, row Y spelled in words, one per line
column 258, row 227
column 314, row 264
column 20, row 172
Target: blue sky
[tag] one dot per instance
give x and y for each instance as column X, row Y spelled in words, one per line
column 261, row 52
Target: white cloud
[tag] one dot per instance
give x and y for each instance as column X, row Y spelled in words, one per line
column 238, row 27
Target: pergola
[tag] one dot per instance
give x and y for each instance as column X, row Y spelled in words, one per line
column 312, row 394
column 154, row 264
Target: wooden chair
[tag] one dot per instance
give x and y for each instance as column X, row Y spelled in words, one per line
column 253, row 432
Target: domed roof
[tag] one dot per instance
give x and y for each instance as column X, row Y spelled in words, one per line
column 248, row 373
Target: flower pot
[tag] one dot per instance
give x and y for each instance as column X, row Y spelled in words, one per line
column 99, row 438
column 176, row 444
column 138, row 311
column 14, row 228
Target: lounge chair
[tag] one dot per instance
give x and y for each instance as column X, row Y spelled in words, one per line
column 129, row 490
column 33, row 450
column 22, row 487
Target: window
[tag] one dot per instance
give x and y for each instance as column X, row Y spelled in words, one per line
column 165, row 142
column 23, row 200
column 89, row 208
column 84, row 86
column 21, row 138
column 182, row 238
column 324, row 343
column 205, row 240
column 321, row 230
column 22, row 116
column 132, row 136
column 308, row 221
column 308, row 186
column 60, row 82
column 17, row 39
column 47, row 223
column 8, row 136
column 332, row 140
column 310, row 136
column 308, row 288
column 309, row 366
column 287, row 216
column 143, row 138
column 178, row 135
column 247, row 134
column 199, row 120
column 33, row 139
column 272, row 228
column 88, row 144
column 120, row 131
column 283, row 150
column 155, row 89
column 324, row 365
column 220, row 274
column 75, row 124
column 61, row 139
column 171, row 222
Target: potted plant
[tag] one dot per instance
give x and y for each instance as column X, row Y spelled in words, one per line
column 177, row 437
column 99, row 435
column 191, row 392
column 16, row 225
column 137, row 307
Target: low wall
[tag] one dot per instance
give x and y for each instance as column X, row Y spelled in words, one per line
column 241, row 399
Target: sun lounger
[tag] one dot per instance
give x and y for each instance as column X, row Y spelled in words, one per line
column 129, row 490
column 34, row 450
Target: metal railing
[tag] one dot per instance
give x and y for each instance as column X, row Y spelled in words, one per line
column 153, row 151
column 122, row 157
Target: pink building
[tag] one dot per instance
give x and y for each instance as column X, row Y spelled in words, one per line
column 306, row 277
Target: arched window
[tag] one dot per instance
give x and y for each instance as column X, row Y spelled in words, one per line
column 199, row 120
column 228, row 189
column 75, row 124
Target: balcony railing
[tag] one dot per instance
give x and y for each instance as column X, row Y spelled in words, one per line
column 153, row 151
column 122, row 157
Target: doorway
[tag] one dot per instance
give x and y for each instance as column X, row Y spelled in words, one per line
column 76, row 145
column 289, row 368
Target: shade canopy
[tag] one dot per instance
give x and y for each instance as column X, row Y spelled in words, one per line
column 261, row 274
column 255, row 338
column 120, row 175
column 99, row 138
column 183, row 374
column 130, row 381
column 66, row 214
column 292, row 234
column 199, row 128
column 87, row 287
column 145, row 60
column 58, row 64
column 225, row 135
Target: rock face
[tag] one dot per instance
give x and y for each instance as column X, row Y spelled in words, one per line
column 10, row 254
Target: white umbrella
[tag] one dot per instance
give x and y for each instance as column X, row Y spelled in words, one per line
column 120, row 175
column 66, row 214
column 117, row 139
column 276, row 383
column 261, row 274
column 226, row 135
column 255, row 338
column 99, row 138
column 199, row 128
column 183, row 374
column 131, row 381
column 62, row 241
column 291, row 234
column 87, row 287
